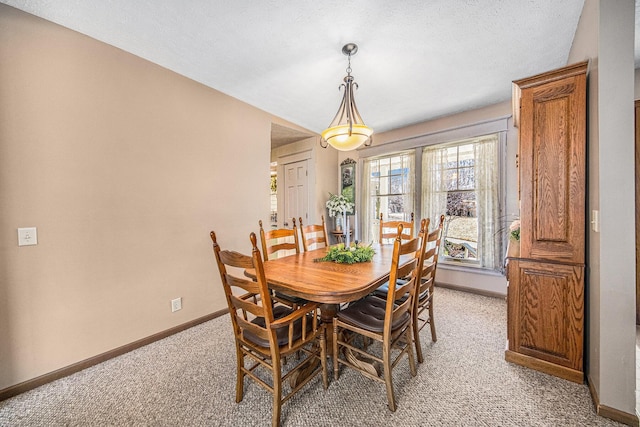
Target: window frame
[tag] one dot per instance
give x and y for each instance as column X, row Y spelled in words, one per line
column 432, row 136
column 408, row 185
column 447, row 259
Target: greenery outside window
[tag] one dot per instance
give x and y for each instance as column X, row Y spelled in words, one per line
column 462, row 180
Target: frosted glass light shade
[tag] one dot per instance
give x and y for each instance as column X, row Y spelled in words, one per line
column 339, row 138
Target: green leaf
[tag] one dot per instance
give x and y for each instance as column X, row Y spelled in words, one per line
column 341, row 255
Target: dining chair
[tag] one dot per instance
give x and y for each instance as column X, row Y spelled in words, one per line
column 314, row 235
column 389, row 229
column 426, row 287
column 386, row 321
column 265, row 335
column 384, row 288
column 278, row 243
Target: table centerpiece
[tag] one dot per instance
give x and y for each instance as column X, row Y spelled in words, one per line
column 351, row 254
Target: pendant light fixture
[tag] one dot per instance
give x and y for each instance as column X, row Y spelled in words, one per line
column 347, row 131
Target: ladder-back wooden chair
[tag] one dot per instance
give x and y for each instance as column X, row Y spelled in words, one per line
column 424, row 295
column 389, row 229
column 278, row 243
column 384, row 288
column 314, row 236
column 387, row 321
column 264, row 335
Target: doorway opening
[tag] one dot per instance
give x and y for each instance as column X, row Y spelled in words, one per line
column 274, row 195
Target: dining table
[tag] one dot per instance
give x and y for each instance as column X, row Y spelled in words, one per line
column 328, row 283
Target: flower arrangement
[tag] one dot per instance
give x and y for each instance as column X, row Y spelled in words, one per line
column 343, row 255
column 514, row 230
column 338, row 204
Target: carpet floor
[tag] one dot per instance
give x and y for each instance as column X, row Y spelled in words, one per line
column 188, row 379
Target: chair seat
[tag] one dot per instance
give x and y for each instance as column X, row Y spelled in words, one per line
column 381, row 292
column 290, row 298
column 282, row 334
column 368, row 313
column 424, row 296
column 251, row 273
column 384, row 288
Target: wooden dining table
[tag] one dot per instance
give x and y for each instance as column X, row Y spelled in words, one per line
column 328, row 283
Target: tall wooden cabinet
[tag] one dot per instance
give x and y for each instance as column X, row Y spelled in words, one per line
column 546, row 282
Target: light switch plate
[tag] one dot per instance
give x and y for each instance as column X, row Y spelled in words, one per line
column 27, row 236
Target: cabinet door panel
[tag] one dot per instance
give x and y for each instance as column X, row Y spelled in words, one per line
column 547, row 305
column 552, row 166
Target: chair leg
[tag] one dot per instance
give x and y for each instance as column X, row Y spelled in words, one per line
column 388, row 380
column 277, row 392
column 416, row 335
column 434, row 338
column 323, row 357
column 409, row 347
column 239, row 374
column 335, row 350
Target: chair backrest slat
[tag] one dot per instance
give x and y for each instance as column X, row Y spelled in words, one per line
column 314, row 235
column 240, row 282
column 247, row 305
column 279, row 241
column 235, row 259
column 389, row 229
column 401, row 308
column 258, row 331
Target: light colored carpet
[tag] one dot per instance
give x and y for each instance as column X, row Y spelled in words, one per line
column 189, row 380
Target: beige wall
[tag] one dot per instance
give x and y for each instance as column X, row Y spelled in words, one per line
column 605, row 35
column 124, row 167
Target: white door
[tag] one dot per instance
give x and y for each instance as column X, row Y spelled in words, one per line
column 296, row 202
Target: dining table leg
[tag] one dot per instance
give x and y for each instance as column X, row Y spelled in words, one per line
column 327, row 313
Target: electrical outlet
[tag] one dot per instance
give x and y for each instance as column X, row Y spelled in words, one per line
column 176, row 304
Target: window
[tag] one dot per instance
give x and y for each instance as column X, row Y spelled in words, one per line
column 462, row 180
column 461, row 234
column 389, row 190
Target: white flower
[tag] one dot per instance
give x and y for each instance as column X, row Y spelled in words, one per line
column 338, row 204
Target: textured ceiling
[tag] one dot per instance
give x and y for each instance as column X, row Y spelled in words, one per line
column 417, row 59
